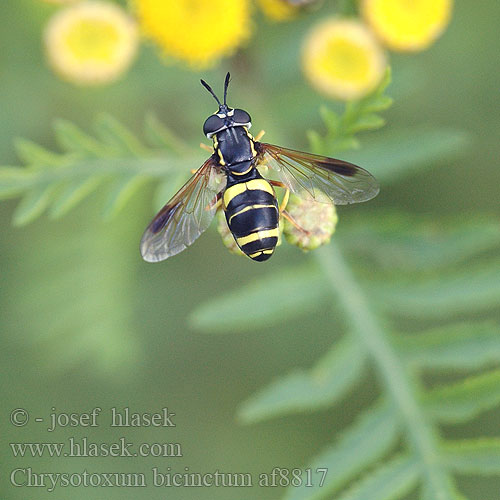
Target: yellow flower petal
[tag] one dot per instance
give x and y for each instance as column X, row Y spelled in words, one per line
column 407, row 25
column 196, row 31
column 91, row 42
column 342, row 59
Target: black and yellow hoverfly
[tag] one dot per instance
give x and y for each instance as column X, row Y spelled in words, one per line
column 232, row 178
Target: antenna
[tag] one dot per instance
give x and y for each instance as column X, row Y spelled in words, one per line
column 207, row 86
column 226, row 84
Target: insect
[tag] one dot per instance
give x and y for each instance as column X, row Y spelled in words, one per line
column 231, row 178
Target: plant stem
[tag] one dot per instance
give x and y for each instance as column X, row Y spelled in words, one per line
column 394, row 375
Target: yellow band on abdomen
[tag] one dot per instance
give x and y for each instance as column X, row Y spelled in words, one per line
column 260, row 184
column 246, row 209
column 254, row 185
column 258, row 235
column 233, row 191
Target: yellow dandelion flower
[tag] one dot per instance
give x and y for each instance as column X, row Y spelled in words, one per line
column 197, row 31
column 91, row 43
column 407, row 25
column 342, row 59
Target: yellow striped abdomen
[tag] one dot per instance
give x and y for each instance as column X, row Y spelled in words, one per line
column 252, row 215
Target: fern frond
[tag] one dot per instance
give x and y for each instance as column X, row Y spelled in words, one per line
column 404, row 244
column 474, row 456
column 162, row 137
column 393, row 375
column 375, row 433
column 59, row 181
column 458, row 346
column 388, row 482
column 467, row 292
column 464, row 400
column 302, row 391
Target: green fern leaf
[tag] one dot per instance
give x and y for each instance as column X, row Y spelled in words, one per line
column 470, row 291
column 375, row 433
column 389, row 482
column 163, row 138
column 36, row 155
column 475, row 456
column 464, row 400
column 14, row 181
column 120, row 193
column 33, row 204
column 72, row 194
column 73, row 140
column 450, row 493
column 459, row 346
column 306, row 391
column 58, row 182
column 408, row 244
column 118, row 137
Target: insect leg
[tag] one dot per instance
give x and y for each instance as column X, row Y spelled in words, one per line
column 216, row 203
column 260, row 135
column 277, row 184
column 289, row 218
column 206, row 147
column 284, row 202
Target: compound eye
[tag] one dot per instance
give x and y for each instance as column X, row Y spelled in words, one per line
column 241, row 116
column 212, row 124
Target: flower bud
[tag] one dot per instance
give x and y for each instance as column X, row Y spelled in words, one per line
column 317, row 221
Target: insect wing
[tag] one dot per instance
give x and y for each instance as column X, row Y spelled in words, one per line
column 309, row 175
column 179, row 223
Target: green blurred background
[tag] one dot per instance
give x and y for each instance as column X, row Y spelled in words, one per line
column 84, row 322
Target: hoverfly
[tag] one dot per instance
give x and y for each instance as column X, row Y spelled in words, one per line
column 231, row 178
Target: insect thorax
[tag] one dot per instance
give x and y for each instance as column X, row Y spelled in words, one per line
column 234, row 146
